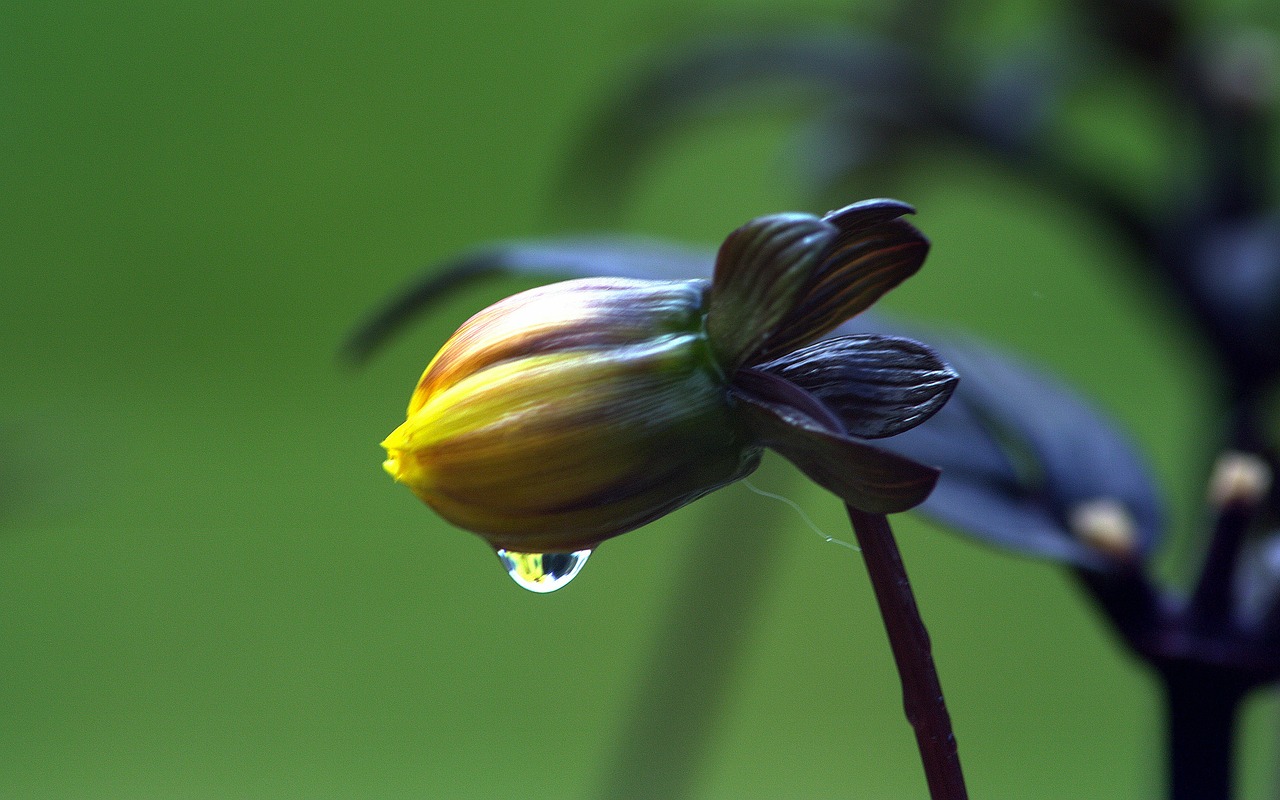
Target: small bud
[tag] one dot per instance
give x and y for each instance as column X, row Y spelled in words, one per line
column 1106, row 526
column 1239, row 479
column 572, row 413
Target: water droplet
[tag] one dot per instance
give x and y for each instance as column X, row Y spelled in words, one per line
column 542, row 572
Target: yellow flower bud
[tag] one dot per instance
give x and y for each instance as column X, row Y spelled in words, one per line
column 574, row 412
column 571, row 413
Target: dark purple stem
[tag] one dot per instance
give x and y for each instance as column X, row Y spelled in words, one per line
column 1212, row 603
column 922, row 699
column 921, row 691
column 1202, row 711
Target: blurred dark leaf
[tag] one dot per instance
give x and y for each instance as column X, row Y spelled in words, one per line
column 845, row 138
column 871, row 78
column 876, row 102
column 1148, row 30
column 1016, row 98
column 1019, row 452
column 555, row 260
column 1236, row 270
column 878, row 385
column 1258, row 581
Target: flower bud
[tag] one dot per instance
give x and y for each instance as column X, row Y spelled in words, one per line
column 570, row 413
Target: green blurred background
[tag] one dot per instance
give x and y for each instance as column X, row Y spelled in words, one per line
column 209, row 588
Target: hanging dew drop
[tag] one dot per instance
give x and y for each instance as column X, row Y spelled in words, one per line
column 542, row 572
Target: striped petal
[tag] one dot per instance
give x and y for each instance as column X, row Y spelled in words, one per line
column 585, row 313
column 878, row 385
column 873, row 252
column 760, row 271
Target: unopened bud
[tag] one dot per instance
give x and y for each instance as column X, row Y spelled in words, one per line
column 1239, row 479
column 1106, row 526
column 574, row 412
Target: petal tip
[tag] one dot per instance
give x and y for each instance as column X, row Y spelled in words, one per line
column 879, row 208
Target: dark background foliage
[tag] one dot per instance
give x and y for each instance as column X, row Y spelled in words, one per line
column 209, row 588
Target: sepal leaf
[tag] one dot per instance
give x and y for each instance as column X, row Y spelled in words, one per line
column 878, row 385
column 760, row 271
column 873, row 252
column 797, row 425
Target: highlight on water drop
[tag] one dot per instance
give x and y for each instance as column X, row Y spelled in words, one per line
column 542, row 572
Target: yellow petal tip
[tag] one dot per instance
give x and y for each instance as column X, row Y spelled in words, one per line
column 394, row 465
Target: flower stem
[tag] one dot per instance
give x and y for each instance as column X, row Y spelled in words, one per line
column 1212, row 601
column 1202, row 712
column 922, row 699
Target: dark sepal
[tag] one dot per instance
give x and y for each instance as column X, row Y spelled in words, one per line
column 874, row 251
column 558, row 260
column 760, row 271
column 878, row 385
column 802, row 430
